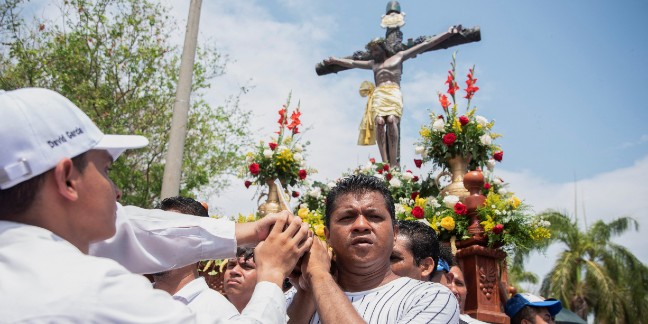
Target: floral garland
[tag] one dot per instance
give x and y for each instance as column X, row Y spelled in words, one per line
column 282, row 157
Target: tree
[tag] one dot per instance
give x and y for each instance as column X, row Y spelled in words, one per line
column 114, row 59
column 594, row 275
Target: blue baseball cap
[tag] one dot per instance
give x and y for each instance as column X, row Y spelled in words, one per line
column 515, row 304
column 443, row 266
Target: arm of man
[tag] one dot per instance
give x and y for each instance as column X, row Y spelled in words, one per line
column 332, row 305
column 348, row 63
column 153, row 240
column 434, row 303
column 429, row 43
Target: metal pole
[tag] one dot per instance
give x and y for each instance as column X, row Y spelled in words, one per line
column 173, row 167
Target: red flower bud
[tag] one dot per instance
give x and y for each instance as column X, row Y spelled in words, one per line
column 498, row 229
column 380, row 171
column 460, row 209
column 487, row 185
column 498, row 156
column 302, row 174
column 248, row 183
column 415, row 179
column 463, row 120
column 418, row 212
column 388, row 176
column 418, row 163
column 295, row 194
column 386, row 167
column 449, row 139
column 414, row 195
column 254, row 168
column 372, row 160
column 273, row 146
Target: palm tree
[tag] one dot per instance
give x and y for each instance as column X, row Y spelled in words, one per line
column 594, row 274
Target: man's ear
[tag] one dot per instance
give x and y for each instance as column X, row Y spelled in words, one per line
column 66, row 179
column 326, row 233
column 395, row 233
column 427, row 266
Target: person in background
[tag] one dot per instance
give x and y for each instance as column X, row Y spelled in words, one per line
column 58, row 207
column 531, row 309
column 240, row 277
column 184, row 283
column 416, row 251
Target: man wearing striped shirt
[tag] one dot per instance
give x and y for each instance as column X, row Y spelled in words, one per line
column 360, row 229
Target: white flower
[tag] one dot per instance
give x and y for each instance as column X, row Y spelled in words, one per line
column 433, row 202
column 490, row 164
column 393, row 20
column 395, row 182
column 502, row 191
column 408, row 176
column 400, row 209
column 331, row 185
column 379, row 176
column 315, row 192
column 302, row 164
column 438, row 125
column 282, row 148
column 481, row 120
column 419, row 150
column 450, row 200
column 298, row 148
column 249, row 158
column 367, row 167
column 298, row 157
column 485, row 139
column 497, row 181
column 304, row 205
column 268, row 153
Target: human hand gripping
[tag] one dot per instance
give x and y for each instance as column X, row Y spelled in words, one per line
column 317, row 261
column 277, row 255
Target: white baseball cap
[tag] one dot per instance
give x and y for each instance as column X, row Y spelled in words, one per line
column 39, row 127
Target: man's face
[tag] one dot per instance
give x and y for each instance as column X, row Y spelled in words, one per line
column 97, row 196
column 240, row 278
column 361, row 231
column 457, row 285
column 543, row 316
column 377, row 53
column 402, row 259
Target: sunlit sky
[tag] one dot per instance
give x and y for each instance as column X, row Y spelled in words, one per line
column 564, row 81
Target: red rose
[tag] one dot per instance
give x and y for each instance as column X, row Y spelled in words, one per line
column 417, row 212
column 372, row 160
column 272, row 145
column 487, row 185
column 254, row 168
column 498, row 229
column 460, row 209
column 464, row 120
column 415, row 179
column 302, row 174
column 295, row 194
column 380, row 171
column 498, row 156
column 388, row 176
column 414, row 195
column 449, row 139
column 418, row 163
column 248, row 183
column 386, row 167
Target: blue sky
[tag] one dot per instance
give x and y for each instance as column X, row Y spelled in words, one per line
column 564, row 81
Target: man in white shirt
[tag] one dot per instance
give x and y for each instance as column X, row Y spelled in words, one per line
column 56, row 199
column 360, row 229
column 184, row 283
column 240, row 277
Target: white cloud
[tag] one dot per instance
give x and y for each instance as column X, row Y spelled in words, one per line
column 641, row 140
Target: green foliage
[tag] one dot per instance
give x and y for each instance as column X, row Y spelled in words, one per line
column 594, row 275
column 114, row 59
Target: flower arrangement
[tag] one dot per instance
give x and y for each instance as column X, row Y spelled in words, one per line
column 312, row 206
column 282, row 157
column 452, row 134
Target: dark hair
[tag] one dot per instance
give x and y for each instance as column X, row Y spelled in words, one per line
column 527, row 312
column 19, row 198
column 445, row 253
column 245, row 253
column 184, row 205
column 422, row 243
column 358, row 184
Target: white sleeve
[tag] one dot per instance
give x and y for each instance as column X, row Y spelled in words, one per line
column 153, row 240
column 267, row 305
column 434, row 306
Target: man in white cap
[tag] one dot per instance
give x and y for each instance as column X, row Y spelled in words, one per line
column 530, row 309
column 56, row 200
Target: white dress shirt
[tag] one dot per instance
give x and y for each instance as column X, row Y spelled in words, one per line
column 44, row 278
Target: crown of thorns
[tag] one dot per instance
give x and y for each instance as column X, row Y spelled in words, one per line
column 376, row 42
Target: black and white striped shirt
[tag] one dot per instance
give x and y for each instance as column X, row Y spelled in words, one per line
column 405, row 300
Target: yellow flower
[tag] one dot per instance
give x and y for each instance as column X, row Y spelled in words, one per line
column 287, row 140
column 420, row 202
column 434, row 226
column 425, row 132
column 302, row 213
column 251, row 218
column 540, row 233
column 319, row 230
column 456, row 125
column 515, row 202
column 448, row 223
column 488, row 224
column 479, row 127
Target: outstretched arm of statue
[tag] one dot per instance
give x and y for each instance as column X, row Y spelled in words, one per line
column 430, row 42
column 348, row 63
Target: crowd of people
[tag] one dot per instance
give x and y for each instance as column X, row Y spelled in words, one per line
column 70, row 253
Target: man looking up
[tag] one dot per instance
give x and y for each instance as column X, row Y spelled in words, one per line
column 240, row 277
column 184, row 283
column 416, row 251
column 56, row 199
column 360, row 228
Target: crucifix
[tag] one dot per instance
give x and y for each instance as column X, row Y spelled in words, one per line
column 385, row 56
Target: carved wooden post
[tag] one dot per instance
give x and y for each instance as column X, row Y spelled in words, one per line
column 481, row 264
